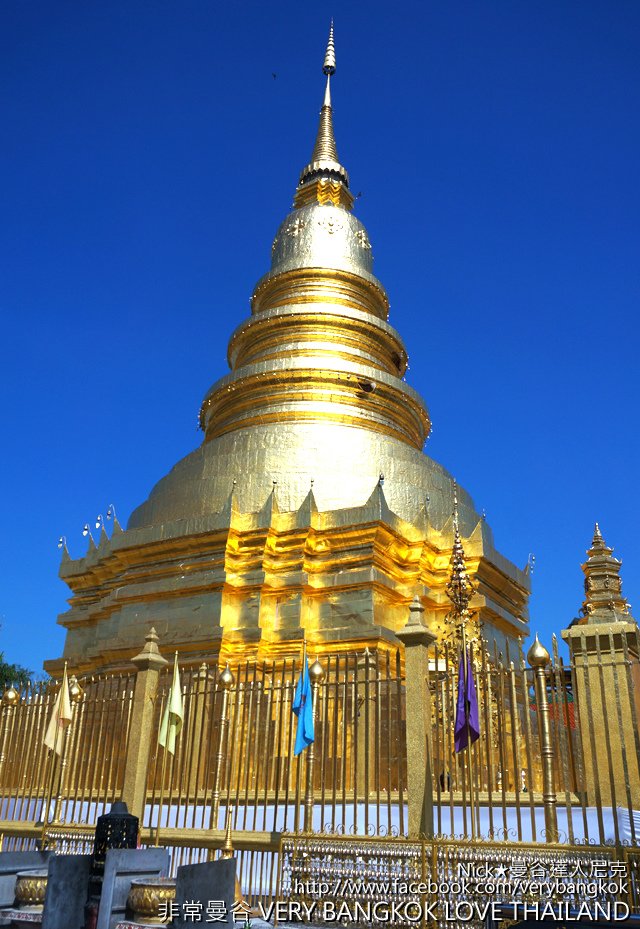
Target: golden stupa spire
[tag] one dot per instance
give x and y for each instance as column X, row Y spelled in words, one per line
column 324, row 179
column 325, row 147
column 321, row 256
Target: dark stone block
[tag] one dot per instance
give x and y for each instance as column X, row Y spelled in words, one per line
column 67, row 888
column 211, row 880
column 122, row 866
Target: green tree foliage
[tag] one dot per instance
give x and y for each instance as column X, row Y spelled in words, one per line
column 12, row 674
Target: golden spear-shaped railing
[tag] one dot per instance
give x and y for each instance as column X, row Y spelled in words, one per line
column 460, row 591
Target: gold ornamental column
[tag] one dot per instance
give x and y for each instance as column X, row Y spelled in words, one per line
column 417, row 639
column 149, row 664
column 606, row 672
column 605, row 648
column 538, row 657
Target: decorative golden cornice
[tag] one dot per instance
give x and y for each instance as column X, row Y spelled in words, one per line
column 323, row 190
column 355, row 557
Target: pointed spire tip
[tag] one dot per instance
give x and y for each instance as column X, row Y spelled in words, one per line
column 598, row 540
column 324, row 164
column 329, row 66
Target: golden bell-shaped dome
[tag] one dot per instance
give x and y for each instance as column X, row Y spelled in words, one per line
column 316, row 389
column 322, row 236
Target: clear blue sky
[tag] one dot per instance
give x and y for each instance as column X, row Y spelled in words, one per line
column 148, row 158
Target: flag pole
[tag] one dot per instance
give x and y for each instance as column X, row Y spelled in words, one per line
column 296, row 817
column 460, row 591
column 316, row 674
column 164, row 769
column 53, row 755
column 47, row 797
column 465, row 670
column 164, row 760
column 173, row 753
column 54, row 760
column 57, row 802
column 64, row 760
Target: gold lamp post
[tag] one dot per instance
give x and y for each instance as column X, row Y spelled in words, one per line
column 226, row 681
column 538, row 657
column 316, row 676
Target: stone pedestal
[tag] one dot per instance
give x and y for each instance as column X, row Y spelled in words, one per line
column 121, row 867
column 67, row 882
column 212, row 880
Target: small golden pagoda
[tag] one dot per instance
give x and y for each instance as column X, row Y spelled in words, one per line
column 310, row 509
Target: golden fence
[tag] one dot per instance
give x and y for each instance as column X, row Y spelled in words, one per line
column 38, row 786
column 557, row 759
column 576, row 726
column 237, row 749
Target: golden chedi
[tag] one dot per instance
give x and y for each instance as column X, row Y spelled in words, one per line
column 310, row 509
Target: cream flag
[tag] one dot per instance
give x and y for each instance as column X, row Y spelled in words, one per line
column 173, row 714
column 60, row 718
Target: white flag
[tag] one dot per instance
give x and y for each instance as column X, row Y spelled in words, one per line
column 60, row 718
column 173, row 714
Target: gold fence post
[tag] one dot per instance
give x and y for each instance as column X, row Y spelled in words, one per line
column 417, row 639
column 10, row 700
column 316, row 674
column 226, row 681
column 149, row 663
column 538, row 657
column 196, row 732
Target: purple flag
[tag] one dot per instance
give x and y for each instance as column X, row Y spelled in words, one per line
column 467, row 725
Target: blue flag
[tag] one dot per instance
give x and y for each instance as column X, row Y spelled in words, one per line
column 303, row 709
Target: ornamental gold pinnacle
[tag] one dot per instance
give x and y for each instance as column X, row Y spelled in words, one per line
column 325, row 168
column 459, row 588
column 329, row 66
